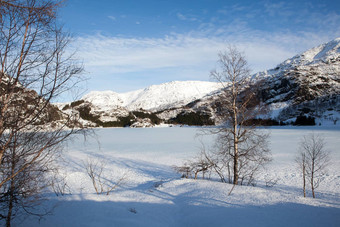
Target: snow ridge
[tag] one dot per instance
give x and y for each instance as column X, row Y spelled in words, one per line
column 323, row 54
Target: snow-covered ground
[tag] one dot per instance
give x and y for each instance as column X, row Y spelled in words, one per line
column 152, row 194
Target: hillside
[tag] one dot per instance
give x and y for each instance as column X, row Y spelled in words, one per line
column 308, row 83
column 20, row 107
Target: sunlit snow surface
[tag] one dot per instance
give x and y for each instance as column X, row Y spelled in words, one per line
column 154, row 195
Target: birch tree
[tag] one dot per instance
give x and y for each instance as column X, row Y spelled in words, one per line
column 242, row 146
column 313, row 160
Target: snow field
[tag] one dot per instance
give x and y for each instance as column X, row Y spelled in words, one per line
column 152, row 194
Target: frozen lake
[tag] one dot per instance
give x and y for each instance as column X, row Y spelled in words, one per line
column 174, row 144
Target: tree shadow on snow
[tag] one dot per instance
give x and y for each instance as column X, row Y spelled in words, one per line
column 184, row 212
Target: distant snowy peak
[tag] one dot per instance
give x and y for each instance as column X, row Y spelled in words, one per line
column 321, row 56
column 325, row 53
column 156, row 97
column 305, row 77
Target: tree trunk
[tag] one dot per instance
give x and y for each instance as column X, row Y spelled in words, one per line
column 11, row 192
column 235, row 122
column 235, row 144
column 313, row 190
column 235, row 161
column 229, row 173
column 304, row 178
column 10, row 205
column 312, row 178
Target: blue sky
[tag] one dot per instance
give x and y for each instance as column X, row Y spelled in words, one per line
column 130, row 44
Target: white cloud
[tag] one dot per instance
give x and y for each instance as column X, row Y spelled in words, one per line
column 124, row 55
column 112, row 18
column 114, row 55
column 181, row 16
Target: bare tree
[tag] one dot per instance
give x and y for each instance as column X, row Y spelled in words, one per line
column 313, row 159
column 35, row 69
column 101, row 183
column 242, row 147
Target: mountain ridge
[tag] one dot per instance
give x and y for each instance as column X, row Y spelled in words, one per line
column 154, row 97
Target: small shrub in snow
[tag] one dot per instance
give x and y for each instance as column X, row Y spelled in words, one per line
column 59, row 185
column 101, row 183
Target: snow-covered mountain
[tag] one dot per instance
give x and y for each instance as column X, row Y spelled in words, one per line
column 144, row 107
column 311, row 74
column 154, row 98
column 308, row 83
column 322, row 56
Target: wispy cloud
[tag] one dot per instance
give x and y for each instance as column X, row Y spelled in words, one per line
column 186, row 17
column 192, row 55
column 273, row 9
column 112, row 18
column 124, row 55
column 115, row 55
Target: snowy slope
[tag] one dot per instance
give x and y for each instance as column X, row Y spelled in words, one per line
column 309, row 80
column 321, row 56
column 104, row 100
column 324, row 53
column 155, row 97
